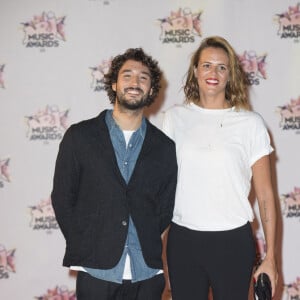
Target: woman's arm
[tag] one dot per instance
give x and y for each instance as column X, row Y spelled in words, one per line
column 263, row 187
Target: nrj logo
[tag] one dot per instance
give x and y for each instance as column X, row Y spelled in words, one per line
column 44, row 31
column 2, row 76
column 289, row 23
column 98, row 73
column 42, row 216
column 7, row 262
column 47, row 124
column 293, row 290
column 254, row 66
column 290, row 115
column 290, row 203
column 4, row 171
column 58, row 293
column 180, row 27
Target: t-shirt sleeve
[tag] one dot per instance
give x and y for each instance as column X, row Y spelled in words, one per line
column 260, row 144
column 167, row 125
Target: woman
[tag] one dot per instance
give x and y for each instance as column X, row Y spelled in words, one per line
column 220, row 146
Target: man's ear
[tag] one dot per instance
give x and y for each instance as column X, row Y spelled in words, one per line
column 151, row 91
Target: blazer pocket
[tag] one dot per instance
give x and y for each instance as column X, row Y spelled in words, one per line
column 81, row 236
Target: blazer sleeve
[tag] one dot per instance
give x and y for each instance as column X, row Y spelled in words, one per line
column 168, row 189
column 65, row 182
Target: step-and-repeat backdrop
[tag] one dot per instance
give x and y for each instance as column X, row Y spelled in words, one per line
column 53, row 55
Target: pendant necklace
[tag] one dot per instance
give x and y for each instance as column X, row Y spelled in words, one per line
column 213, row 141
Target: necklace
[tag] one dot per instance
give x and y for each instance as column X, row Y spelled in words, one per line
column 214, row 137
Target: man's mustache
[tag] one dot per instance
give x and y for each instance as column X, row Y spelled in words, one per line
column 133, row 89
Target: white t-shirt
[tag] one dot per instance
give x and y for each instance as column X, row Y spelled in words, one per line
column 215, row 151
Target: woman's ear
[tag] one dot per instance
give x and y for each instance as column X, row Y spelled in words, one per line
column 195, row 72
column 114, row 87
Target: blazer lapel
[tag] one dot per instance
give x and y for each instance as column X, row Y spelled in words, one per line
column 104, row 145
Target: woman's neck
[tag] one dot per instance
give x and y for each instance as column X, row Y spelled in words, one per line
column 213, row 104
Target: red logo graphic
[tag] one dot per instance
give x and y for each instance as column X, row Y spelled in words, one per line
column 42, row 216
column 58, row 293
column 98, row 75
column 4, row 171
column 7, row 262
column 289, row 23
column 45, row 30
column 180, row 27
column 293, row 290
column 47, row 124
column 290, row 115
column 290, row 203
column 254, row 66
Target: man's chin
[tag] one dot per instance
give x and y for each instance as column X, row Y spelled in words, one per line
column 133, row 104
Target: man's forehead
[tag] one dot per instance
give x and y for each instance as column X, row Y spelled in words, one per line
column 133, row 64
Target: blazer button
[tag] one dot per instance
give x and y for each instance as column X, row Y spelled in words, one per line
column 124, row 223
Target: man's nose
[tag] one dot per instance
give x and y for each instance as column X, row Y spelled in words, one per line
column 135, row 80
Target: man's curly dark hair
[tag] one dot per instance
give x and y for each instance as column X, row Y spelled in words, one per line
column 136, row 54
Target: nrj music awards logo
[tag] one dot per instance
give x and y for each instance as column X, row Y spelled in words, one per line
column 58, row 293
column 180, row 27
column 254, row 66
column 289, row 23
column 48, row 124
column 42, row 216
column 290, row 203
column 292, row 290
column 290, row 115
column 4, row 171
column 7, row 262
column 44, row 31
column 98, row 73
column 2, row 76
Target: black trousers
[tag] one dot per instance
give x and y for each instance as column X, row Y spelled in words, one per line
column 222, row 260
column 91, row 288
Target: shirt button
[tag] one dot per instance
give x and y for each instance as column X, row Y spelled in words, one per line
column 124, row 223
column 125, row 163
column 130, row 145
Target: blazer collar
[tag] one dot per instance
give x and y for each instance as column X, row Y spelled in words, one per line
column 102, row 138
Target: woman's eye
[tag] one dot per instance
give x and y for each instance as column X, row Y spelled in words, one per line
column 206, row 66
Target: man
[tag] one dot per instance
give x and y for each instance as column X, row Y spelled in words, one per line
column 114, row 187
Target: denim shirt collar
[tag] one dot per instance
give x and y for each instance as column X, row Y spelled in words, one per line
column 112, row 125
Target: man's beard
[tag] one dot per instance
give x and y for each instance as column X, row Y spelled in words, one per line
column 132, row 104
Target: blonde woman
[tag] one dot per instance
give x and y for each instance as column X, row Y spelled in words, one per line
column 220, row 146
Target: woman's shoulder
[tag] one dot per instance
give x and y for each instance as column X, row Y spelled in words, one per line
column 252, row 117
column 178, row 109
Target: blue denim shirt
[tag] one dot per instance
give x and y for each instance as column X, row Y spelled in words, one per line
column 126, row 158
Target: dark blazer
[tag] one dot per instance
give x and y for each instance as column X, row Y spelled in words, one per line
column 92, row 202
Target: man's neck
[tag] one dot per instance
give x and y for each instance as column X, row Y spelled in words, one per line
column 127, row 119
